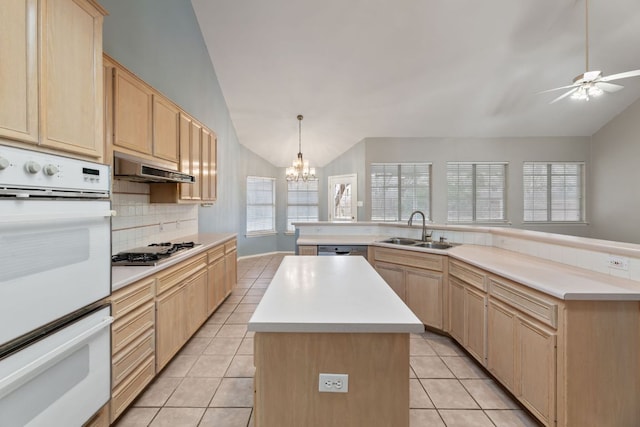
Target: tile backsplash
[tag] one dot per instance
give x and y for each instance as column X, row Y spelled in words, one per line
column 139, row 223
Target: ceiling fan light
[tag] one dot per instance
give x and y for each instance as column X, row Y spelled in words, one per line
column 595, row 91
column 581, row 94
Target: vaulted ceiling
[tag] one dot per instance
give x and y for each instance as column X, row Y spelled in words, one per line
column 412, row 68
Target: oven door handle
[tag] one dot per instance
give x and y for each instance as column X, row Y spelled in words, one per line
column 56, row 216
column 19, row 377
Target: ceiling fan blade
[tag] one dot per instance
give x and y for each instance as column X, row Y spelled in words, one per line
column 626, row 74
column 564, row 95
column 608, row 87
column 558, row 88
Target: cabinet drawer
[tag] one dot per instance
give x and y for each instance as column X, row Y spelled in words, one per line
column 126, row 299
column 410, row 258
column 180, row 272
column 537, row 307
column 468, row 274
column 123, row 395
column 132, row 356
column 128, row 328
column 215, row 254
column 230, row 246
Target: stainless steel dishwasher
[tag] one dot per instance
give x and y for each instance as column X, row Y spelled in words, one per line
column 340, row 250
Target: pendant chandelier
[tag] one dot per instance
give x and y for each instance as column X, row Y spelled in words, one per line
column 300, row 169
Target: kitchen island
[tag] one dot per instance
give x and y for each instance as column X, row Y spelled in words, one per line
column 332, row 315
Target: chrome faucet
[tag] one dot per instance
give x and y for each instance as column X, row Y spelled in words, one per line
column 426, row 237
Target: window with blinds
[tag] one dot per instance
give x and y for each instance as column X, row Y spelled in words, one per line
column 302, row 202
column 397, row 189
column 553, row 192
column 261, row 205
column 476, row 192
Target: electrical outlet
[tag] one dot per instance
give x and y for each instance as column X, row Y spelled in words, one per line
column 619, row 262
column 333, row 383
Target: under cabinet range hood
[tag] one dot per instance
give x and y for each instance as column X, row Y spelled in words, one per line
column 130, row 168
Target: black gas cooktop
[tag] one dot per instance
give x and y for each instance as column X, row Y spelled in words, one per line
column 153, row 254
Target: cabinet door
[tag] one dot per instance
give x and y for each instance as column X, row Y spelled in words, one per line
column 231, row 269
column 170, row 331
column 216, row 285
column 456, row 309
column 394, row 276
column 196, row 147
column 165, row 129
column 208, row 165
column 501, row 343
column 536, row 368
column 19, row 70
column 196, row 302
column 475, row 323
column 132, row 113
column 190, row 134
column 424, row 296
column 307, row 250
column 71, row 77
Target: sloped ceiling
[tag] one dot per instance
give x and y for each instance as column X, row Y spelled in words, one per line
column 412, row 68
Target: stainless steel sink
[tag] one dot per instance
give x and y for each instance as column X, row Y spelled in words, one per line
column 434, row 245
column 401, row 241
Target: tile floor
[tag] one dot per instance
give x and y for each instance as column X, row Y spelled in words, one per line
column 210, row 381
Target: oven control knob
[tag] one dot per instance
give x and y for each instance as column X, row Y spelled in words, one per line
column 32, row 167
column 4, row 163
column 50, row 169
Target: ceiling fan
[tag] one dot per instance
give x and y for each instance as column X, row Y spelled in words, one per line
column 591, row 83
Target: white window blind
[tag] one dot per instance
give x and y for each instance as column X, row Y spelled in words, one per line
column 553, row 192
column 476, row 192
column 261, row 205
column 399, row 189
column 302, row 202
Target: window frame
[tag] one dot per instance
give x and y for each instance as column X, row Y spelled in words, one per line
column 549, row 196
column 399, row 165
column 316, row 204
column 474, row 193
column 261, row 232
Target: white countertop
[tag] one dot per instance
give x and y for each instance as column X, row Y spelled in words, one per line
column 552, row 278
column 338, row 240
column 331, row 294
column 123, row 276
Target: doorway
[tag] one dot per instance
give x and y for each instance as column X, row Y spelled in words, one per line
column 343, row 198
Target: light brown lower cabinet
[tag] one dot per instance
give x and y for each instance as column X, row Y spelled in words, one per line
column 424, row 289
column 307, row 250
column 467, row 317
column 501, row 343
column 216, row 288
column 230, row 266
column 170, row 333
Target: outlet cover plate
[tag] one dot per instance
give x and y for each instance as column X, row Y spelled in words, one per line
column 333, row 383
column 619, row 262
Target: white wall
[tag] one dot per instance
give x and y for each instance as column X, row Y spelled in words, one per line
column 615, row 178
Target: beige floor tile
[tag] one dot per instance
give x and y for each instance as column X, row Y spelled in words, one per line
column 238, row 318
column 234, row 393
column 425, row 418
column 261, row 283
column 234, row 299
column 464, row 367
column 226, row 417
column 244, row 283
column 223, row 346
column 158, row 392
column 194, row 393
column 246, row 347
column 430, row 367
column 179, row 366
column 448, row 394
column 210, row 366
column 137, row 417
column 412, row 374
column 232, row 331
column 178, row 417
column 241, row 367
column 511, row 418
column 239, row 292
column 195, row 346
column 420, row 347
column 417, row 396
column 251, row 299
column 255, row 292
column 488, row 394
column 250, row 334
column 219, row 317
column 208, row 330
column 446, row 347
column 465, row 418
column 246, row 308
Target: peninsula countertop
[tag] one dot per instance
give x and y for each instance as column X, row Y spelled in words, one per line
column 331, row 295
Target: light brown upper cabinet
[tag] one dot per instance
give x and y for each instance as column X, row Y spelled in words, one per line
column 166, row 132
column 209, row 159
column 51, row 71
column 132, row 110
column 190, row 149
